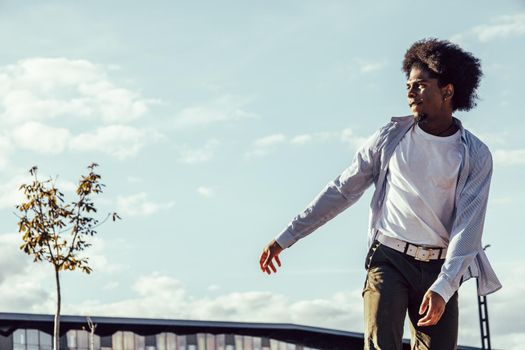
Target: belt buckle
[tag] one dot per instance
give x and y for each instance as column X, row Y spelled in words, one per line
column 423, row 257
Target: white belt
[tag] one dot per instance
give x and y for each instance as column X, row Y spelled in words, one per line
column 418, row 252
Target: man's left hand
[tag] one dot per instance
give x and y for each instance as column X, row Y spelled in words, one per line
column 432, row 307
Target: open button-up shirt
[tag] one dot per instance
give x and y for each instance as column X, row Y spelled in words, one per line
column 465, row 256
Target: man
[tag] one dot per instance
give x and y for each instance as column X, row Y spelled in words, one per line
column 432, row 179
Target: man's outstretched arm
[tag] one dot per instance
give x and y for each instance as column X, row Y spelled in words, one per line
column 338, row 195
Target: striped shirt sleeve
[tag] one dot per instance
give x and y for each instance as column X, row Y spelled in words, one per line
column 465, row 237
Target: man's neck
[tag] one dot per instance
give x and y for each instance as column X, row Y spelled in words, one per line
column 442, row 125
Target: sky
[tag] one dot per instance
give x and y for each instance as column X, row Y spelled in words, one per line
column 214, row 124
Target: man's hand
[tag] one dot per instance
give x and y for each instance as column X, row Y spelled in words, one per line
column 433, row 305
column 270, row 252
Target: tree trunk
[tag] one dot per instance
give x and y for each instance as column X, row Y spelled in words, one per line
column 56, row 331
column 92, row 327
column 92, row 339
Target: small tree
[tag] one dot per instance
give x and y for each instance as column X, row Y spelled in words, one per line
column 57, row 231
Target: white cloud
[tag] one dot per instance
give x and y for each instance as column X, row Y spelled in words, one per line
column 348, row 137
column 22, row 282
column 502, row 200
column 509, row 341
column 121, row 141
column 265, row 145
column 115, row 104
column 213, row 287
column 317, row 136
column 40, row 138
column 36, row 90
column 97, row 257
column 139, row 205
column 493, row 139
column 133, row 179
column 359, row 67
column 207, row 192
column 223, row 109
column 111, row 285
column 68, row 186
column 11, row 256
column 504, row 304
column 499, row 28
column 268, row 144
column 509, row 157
column 158, row 295
column 10, row 194
column 371, row 67
column 39, row 89
column 505, row 307
column 270, row 140
column 198, row 155
column 6, row 149
column 26, row 286
column 301, row 139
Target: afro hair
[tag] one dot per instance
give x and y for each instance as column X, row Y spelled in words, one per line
column 450, row 65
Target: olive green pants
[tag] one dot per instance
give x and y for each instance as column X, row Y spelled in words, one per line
column 395, row 284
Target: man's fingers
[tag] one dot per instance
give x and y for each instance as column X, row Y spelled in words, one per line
column 263, row 256
column 424, row 305
column 431, row 309
column 428, row 320
column 264, row 260
column 267, row 263
column 434, row 306
column 433, row 315
column 269, row 254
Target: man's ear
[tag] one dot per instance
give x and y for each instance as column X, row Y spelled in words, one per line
column 447, row 91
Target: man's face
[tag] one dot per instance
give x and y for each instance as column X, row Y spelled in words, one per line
column 424, row 96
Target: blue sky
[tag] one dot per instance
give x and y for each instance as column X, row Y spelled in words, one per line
column 214, row 124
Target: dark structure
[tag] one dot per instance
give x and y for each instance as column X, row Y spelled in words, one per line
column 483, row 317
column 484, row 321
column 30, row 331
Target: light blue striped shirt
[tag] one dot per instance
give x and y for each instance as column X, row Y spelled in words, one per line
column 465, row 256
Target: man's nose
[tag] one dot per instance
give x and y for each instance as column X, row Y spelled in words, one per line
column 411, row 93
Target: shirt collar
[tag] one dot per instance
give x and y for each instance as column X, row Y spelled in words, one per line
column 409, row 122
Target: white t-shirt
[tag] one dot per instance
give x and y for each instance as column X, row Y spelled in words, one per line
column 420, row 188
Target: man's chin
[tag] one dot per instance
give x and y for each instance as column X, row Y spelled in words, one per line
column 418, row 117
